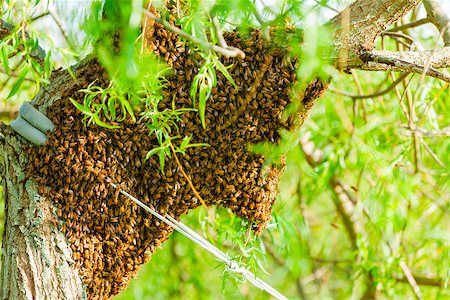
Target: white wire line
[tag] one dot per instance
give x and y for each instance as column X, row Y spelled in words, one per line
column 232, row 266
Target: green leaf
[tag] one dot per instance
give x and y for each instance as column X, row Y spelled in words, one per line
column 81, row 108
column 112, row 108
column 103, row 124
column 18, row 83
column 162, row 158
column 225, row 72
column 87, row 99
column 198, row 145
column 202, row 97
column 212, row 75
column 36, row 67
column 153, row 152
column 5, row 59
column 105, row 110
column 194, row 89
column 185, row 141
column 48, row 66
column 129, row 109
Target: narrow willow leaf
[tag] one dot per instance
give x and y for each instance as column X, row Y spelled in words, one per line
column 112, row 108
column 162, row 158
column 225, row 73
column 212, row 78
column 194, row 89
column 202, row 97
column 81, row 108
column 153, row 152
column 36, row 67
column 185, row 141
column 105, row 111
column 103, row 124
column 129, row 109
column 198, row 145
column 18, row 83
column 48, row 66
column 5, row 60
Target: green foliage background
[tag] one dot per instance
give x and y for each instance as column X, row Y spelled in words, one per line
column 395, row 185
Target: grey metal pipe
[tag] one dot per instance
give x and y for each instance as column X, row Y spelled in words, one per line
column 35, row 117
column 27, row 131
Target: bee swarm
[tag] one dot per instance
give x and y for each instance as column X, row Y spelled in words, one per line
column 111, row 237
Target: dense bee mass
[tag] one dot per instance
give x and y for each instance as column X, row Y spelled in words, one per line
column 110, row 236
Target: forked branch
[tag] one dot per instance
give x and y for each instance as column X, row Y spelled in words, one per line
column 439, row 18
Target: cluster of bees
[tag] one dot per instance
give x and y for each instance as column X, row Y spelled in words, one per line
column 110, row 237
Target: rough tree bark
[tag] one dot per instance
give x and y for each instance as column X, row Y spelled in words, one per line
column 36, row 260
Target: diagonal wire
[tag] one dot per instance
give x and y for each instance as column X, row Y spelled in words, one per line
column 231, row 265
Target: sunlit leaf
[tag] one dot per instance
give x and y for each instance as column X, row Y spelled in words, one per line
column 112, row 108
column 18, row 83
column 81, row 108
column 5, row 59
column 103, row 124
column 202, row 97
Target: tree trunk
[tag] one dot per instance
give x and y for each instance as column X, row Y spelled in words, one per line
column 36, row 260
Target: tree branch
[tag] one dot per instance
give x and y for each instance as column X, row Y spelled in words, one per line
column 439, row 18
column 356, row 27
column 404, row 65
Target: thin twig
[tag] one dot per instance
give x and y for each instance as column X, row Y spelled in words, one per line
column 424, row 133
column 411, row 280
column 196, row 193
column 227, row 52
column 412, row 125
column 39, row 16
column 377, row 94
column 327, row 6
column 432, row 154
column 410, row 25
column 400, row 35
